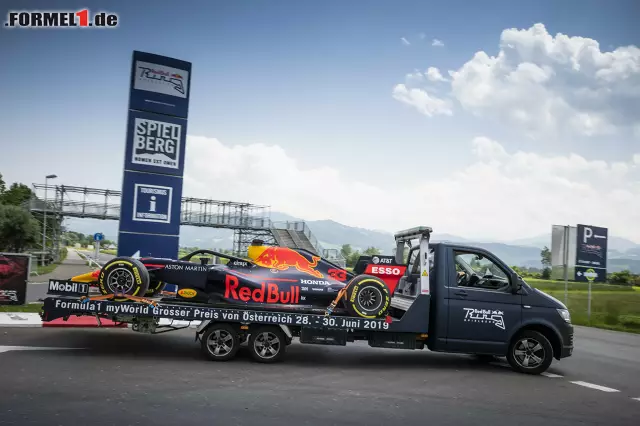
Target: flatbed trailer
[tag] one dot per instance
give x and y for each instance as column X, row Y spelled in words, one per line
column 268, row 330
column 441, row 302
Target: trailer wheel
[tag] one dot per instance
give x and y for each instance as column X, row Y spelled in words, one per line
column 220, row 342
column 267, row 344
column 530, row 352
column 368, row 297
column 123, row 275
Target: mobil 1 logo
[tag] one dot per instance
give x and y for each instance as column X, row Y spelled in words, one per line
column 67, row 288
column 156, row 143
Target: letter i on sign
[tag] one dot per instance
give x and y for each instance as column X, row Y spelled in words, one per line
column 152, row 204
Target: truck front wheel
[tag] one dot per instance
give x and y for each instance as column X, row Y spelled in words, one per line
column 530, row 352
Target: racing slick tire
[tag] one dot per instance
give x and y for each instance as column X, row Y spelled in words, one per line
column 123, row 275
column 267, row 344
column 368, row 297
column 530, row 352
column 155, row 287
column 220, row 342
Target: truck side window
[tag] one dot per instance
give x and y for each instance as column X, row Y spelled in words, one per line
column 473, row 270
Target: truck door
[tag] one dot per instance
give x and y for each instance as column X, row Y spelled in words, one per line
column 482, row 309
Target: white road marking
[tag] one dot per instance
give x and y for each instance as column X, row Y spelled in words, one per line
column 598, row 387
column 636, row 399
column 31, row 348
column 551, row 375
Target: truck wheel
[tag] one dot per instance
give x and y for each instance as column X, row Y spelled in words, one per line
column 220, row 342
column 368, row 297
column 530, row 352
column 155, row 287
column 123, row 275
column 267, row 344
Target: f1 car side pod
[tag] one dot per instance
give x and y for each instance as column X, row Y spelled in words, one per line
column 268, row 329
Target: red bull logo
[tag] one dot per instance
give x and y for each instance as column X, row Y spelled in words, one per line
column 266, row 293
column 283, row 258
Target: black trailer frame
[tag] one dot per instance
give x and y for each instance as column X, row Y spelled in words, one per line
column 238, row 324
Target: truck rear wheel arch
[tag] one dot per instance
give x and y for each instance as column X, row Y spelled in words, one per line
column 547, row 332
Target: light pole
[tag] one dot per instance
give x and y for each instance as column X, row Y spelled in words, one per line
column 44, row 223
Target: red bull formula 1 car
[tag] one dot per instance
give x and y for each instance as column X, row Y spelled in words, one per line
column 273, row 276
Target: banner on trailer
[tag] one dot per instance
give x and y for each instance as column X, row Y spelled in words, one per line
column 14, row 274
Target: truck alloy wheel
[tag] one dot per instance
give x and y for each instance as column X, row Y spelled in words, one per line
column 123, row 275
column 220, row 342
column 267, row 344
column 367, row 297
column 531, row 353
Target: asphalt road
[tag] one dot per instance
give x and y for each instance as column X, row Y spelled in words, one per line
column 117, row 377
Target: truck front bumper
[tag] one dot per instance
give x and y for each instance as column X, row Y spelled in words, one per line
column 567, row 342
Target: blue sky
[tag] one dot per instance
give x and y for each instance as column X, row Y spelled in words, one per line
column 314, row 78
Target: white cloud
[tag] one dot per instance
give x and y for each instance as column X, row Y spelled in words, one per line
column 425, row 103
column 405, row 41
column 433, row 74
column 500, row 194
column 414, row 77
column 437, row 43
column 553, row 85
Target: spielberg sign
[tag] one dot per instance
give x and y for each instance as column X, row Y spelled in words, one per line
column 156, row 143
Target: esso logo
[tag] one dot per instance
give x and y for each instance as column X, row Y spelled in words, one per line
column 385, row 270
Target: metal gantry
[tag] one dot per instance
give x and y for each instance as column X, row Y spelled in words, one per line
column 248, row 221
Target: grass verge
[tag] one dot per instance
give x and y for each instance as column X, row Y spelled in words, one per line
column 29, row 307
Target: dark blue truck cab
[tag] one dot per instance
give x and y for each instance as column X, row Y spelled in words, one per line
column 479, row 305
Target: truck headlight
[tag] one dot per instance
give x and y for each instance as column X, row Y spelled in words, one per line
column 564, row 313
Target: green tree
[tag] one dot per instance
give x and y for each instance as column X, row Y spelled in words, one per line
column 17, row 194
column 3, row 186
column 18, row 229
column 622, row 277
column 346, row 250
column 371, row 251
column 353, row 258
column 545, row 254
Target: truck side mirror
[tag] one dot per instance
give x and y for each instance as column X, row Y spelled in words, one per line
column 516, row 283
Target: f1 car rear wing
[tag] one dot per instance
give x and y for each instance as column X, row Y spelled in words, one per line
column 404, row 238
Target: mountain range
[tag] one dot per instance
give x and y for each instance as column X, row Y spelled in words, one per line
column 622, row 254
